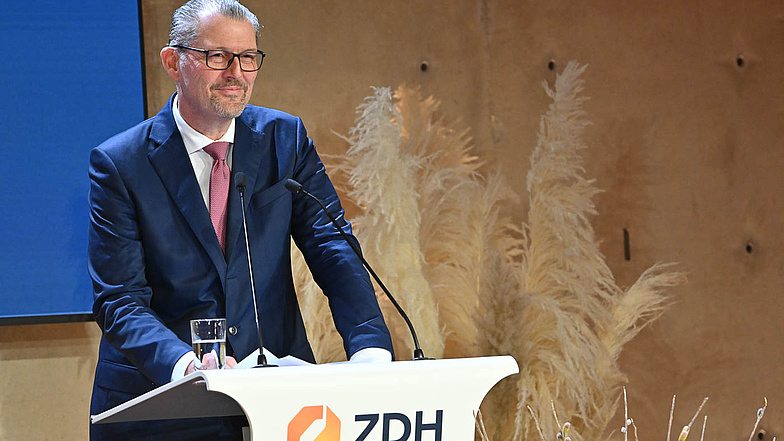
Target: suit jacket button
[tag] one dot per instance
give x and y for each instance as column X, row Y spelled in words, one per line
column 233, row 330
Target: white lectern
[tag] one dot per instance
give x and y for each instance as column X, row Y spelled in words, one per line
column 404, row 400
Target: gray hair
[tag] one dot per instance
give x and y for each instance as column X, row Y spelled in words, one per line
column 185, row 20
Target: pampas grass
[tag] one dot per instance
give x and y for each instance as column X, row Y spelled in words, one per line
column 383, row 175
column 431, row 219
column 476, row 284
column 564, row 275
column 577, row 319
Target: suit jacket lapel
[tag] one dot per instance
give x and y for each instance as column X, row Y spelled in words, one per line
column 170, row 160
column 249, row 149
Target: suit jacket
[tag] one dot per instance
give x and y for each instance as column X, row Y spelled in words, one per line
column 156, row 263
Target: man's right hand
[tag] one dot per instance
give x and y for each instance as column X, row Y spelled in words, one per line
column 210, row 361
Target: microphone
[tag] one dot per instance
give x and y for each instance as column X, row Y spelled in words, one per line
column 296, row 188
column 241, row 181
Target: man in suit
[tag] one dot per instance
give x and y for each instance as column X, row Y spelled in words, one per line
column 166, row 243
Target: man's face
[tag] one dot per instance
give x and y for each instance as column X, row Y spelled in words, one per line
column 206, row 95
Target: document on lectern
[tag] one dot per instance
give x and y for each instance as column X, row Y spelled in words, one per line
column 252, row 359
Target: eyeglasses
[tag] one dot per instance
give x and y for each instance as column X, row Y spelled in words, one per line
column 250, row 61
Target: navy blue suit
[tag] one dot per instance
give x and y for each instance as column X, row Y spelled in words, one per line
column 156, row 262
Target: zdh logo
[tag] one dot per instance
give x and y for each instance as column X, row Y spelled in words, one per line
column 314, row 417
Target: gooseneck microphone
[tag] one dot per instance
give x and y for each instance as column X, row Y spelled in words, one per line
column 241, row 181
column 296, row 188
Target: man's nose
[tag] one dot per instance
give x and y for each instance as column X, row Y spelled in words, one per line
column 234, row 69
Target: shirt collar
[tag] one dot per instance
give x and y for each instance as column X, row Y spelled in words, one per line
column 195, row 141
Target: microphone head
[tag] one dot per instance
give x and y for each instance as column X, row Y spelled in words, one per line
column 293, row 186
column 241, row 181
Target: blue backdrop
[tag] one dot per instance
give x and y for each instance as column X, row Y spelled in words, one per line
column 70, row 77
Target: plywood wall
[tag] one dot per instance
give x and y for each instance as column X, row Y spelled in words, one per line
column 687, row 104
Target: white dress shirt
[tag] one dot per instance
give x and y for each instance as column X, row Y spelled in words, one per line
column 194, row 145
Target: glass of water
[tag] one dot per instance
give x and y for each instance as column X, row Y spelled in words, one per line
column 209, row 335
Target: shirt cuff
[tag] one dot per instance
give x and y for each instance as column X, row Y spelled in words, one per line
column 182, row 364
column 371, row 355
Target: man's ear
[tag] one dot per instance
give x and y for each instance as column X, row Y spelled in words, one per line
column 170, row 58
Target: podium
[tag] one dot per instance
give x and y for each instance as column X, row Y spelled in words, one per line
column 405, row 400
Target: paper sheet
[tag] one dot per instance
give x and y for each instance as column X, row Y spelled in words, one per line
column 252, row 359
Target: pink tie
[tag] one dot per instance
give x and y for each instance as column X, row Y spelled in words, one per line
column 219, row 189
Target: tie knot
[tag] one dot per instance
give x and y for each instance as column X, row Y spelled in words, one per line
column 217, row 150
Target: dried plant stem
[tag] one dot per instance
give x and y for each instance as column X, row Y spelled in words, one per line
column 479, row 422
column 672, row 412
column 704, row 423
column 705, row 400
column 555, row 415
column 536, row 422
column 686, row 429
column 625, row 416
column 760, row 414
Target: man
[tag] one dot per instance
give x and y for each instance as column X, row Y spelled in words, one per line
column 165, row 241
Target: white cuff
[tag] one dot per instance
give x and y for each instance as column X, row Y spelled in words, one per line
column 182, row 364
column 371, row 355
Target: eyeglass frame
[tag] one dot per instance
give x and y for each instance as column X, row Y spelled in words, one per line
column 234, row 55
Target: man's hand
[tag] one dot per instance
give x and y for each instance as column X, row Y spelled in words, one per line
column 210, row 361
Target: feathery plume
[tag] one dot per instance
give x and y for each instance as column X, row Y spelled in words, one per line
column 383, row 179
column 577, row 318
column 475, row 284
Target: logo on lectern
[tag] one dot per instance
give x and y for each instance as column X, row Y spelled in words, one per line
column 306, row 417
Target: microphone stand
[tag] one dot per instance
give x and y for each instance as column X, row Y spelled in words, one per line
column 296, row 188
column 241, row 181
